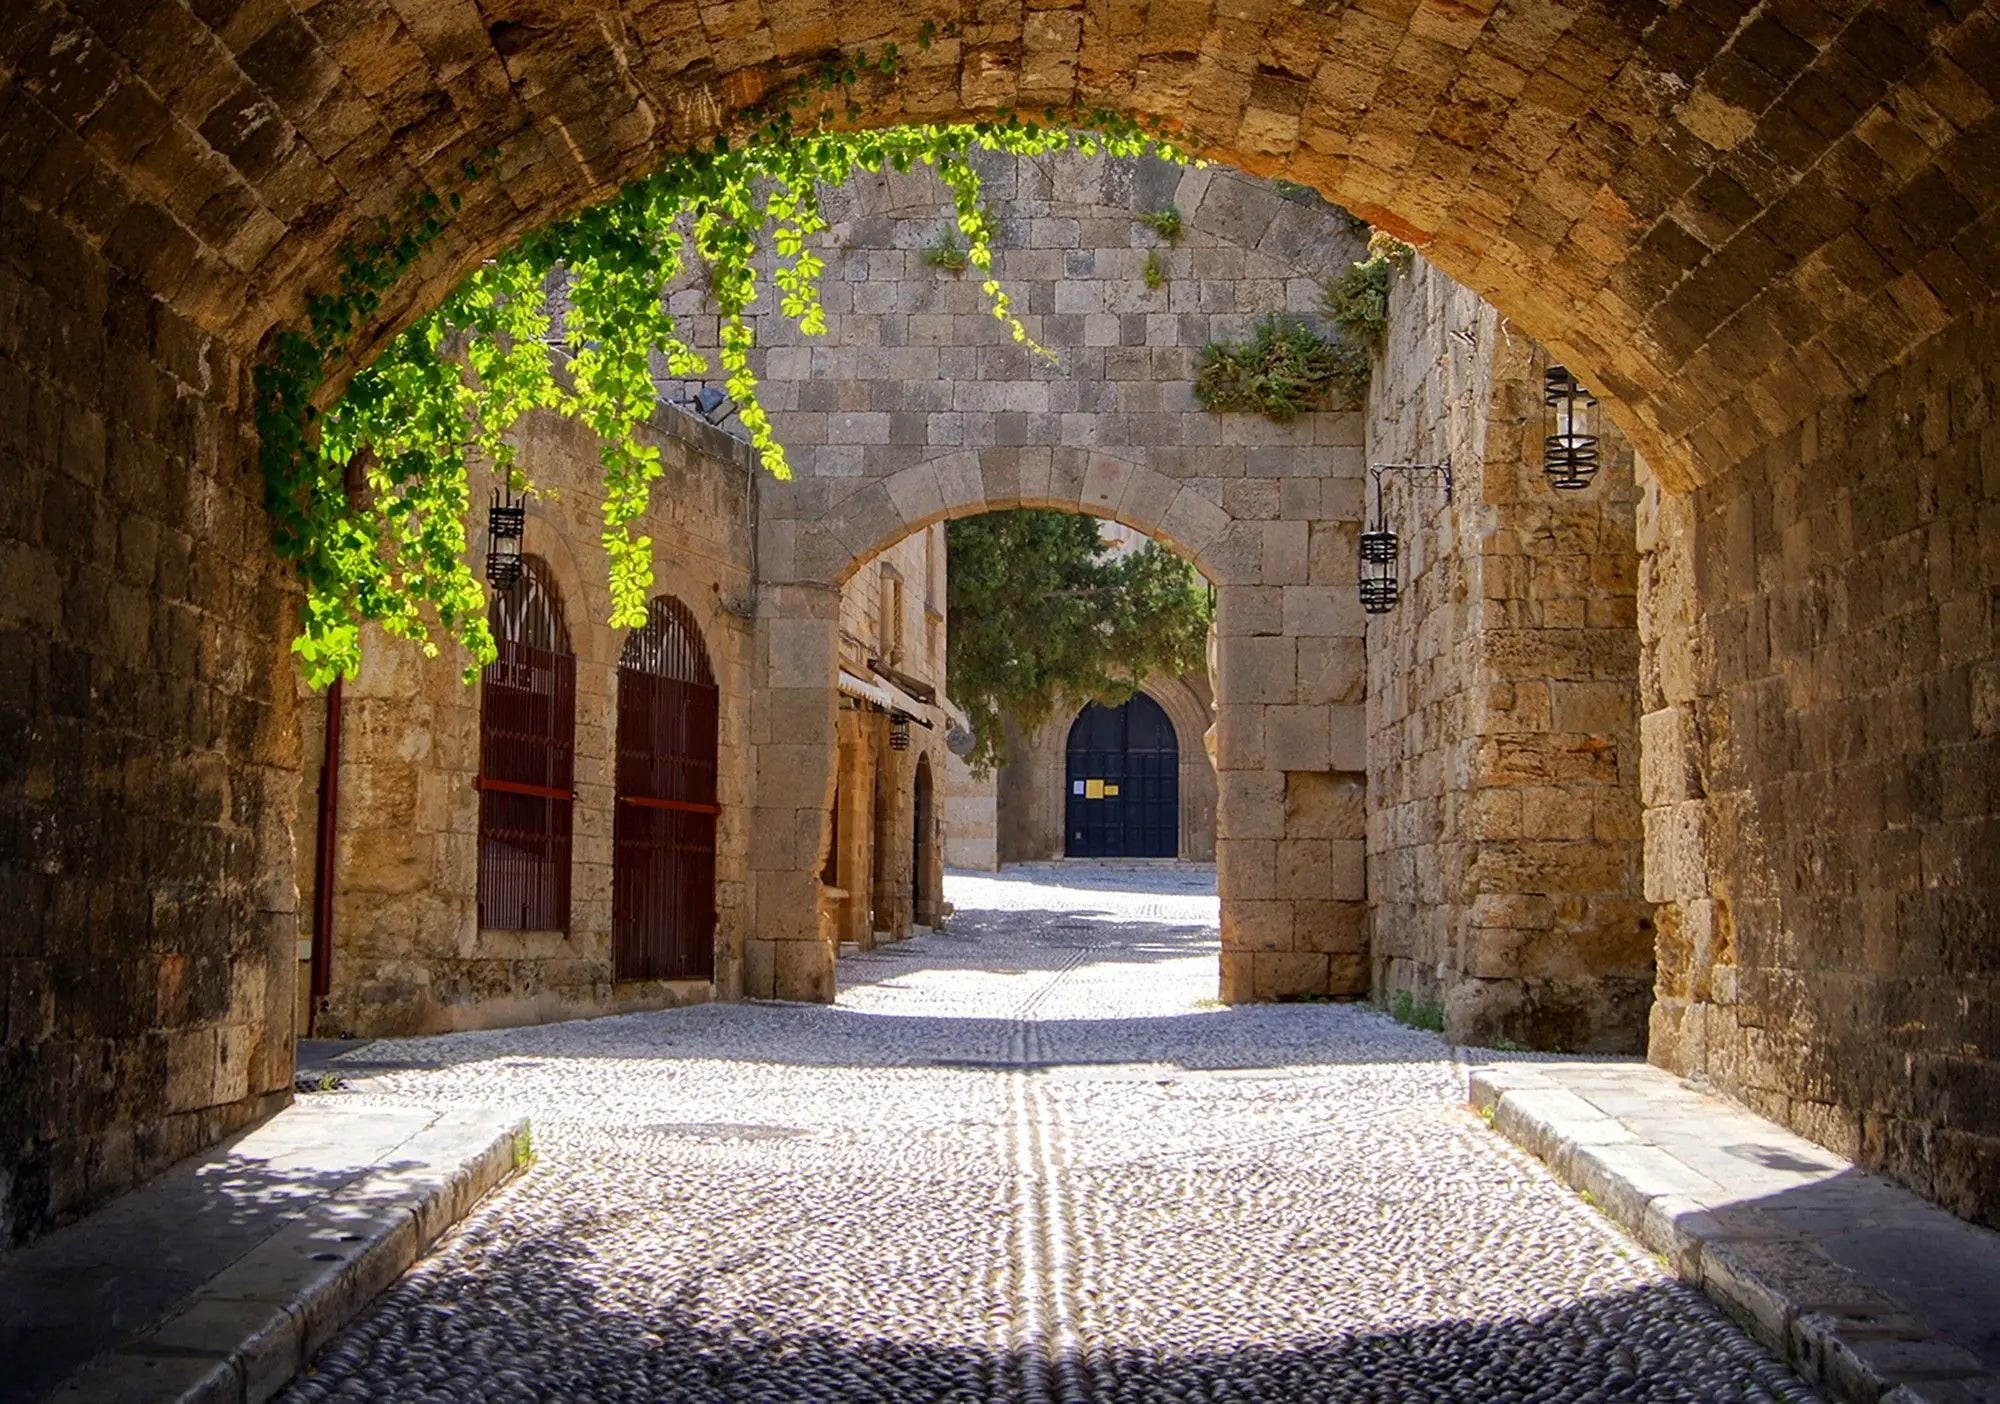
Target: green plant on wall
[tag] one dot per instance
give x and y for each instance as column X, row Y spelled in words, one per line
column 447, row 392
column 1382, row 244
column 1358, row 300
column 1165, row 223
column 945, row 252
column 1282, row 370
column 1155, row 272
column 1426, row 1013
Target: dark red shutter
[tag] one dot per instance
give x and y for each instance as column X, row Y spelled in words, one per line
column 663, row 833
column 527, row 760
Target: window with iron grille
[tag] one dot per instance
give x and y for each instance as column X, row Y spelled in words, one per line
column 527, row 759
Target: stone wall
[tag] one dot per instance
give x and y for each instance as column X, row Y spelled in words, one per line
column 1031, row 786
column 1503, row 763
column 409, row 955
column 918, row 406
column 148, row 736
column 1822, row 728
column 971, row 818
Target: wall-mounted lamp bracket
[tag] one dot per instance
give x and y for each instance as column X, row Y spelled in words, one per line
column 1440, row 469
column 1379, row 547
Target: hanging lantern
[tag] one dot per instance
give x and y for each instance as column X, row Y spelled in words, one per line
column 1379, row 549
column 899, row 734
column 506, row 524
column 1569, row 443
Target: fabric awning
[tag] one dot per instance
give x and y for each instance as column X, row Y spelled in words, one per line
column 886, row 695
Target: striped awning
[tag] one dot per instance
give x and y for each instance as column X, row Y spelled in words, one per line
column 886, row 695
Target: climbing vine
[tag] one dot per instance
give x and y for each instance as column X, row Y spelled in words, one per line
column 370, row 497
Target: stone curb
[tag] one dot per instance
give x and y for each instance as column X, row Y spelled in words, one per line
column 251, row 1329
column 1829, row 1323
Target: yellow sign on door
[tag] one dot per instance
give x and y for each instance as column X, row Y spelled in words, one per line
column 1093, row 789
column 1110, row 791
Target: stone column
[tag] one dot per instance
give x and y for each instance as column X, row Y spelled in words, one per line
column 1289, row 861
column 792, row 729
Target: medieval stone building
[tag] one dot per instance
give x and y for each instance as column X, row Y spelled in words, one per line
column 568, row 836
column 1768, row 238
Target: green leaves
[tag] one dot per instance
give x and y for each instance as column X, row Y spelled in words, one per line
column 1359, row 298
column 1283, row 370
column 388, row 543
column 1040, row 612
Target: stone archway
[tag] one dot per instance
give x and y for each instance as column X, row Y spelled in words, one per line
column 1284, row 933
column 1770, row 237
column 1670, row 200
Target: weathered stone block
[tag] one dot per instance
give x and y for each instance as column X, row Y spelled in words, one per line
column 1290, row 975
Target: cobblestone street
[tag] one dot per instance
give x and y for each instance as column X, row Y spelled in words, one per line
column 1025, row 1158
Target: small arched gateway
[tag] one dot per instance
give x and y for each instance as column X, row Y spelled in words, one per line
column 527, row 759
column 663, row 832
column 1123, row 783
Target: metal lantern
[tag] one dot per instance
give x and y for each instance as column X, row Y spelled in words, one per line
column 899, row 734
column 1569, row 443
column 1379, row 549
column 506, row 524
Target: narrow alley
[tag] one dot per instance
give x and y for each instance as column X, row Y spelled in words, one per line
column 1026, row 1157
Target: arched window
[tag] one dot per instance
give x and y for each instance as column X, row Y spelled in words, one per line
column 663, row 832
column 527, row 759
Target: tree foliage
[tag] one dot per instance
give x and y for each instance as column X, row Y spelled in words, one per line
column 449, row 390
column 1042, row 612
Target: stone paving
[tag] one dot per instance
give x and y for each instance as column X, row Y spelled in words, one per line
column 1024, row 1158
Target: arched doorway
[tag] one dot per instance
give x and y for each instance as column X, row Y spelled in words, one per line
column 923, row 846
column 663, row 830
column 1122, row 783
column 527, row 759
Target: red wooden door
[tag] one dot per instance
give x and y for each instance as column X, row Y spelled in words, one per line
column 663, row 832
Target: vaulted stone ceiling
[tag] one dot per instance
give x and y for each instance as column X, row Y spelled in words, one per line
column 1725, row 215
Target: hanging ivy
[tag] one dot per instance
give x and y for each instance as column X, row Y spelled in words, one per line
column 448, row 390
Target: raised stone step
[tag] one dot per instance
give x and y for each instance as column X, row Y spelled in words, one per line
column 219, row 1280
column 1871, row 1291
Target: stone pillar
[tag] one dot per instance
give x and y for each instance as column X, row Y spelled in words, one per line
column 792, row 728
column 1290, row 858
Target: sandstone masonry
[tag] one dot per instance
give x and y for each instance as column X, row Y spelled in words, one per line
column 1503, row 762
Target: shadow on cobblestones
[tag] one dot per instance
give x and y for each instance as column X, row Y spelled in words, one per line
column 1027, row 1158
column 546, row 1319
column 840, row 1038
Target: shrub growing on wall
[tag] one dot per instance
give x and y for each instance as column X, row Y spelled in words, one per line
column 1282, row 370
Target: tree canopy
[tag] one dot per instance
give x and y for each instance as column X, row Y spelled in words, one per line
column 1041, row 611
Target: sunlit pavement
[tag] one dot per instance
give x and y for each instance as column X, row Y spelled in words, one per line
column 1024, row 1158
